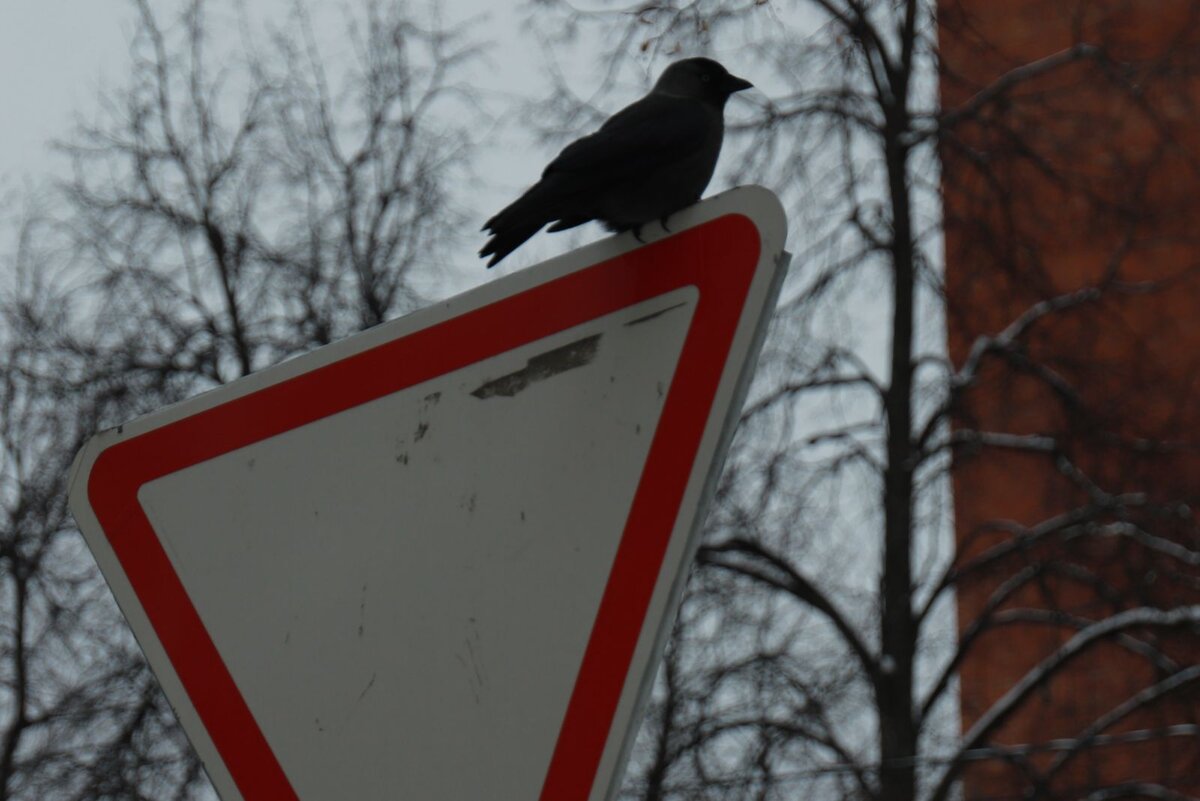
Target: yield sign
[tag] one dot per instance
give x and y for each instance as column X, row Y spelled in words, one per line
column 436, row 560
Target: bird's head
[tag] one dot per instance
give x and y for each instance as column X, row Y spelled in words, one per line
column 702, row 79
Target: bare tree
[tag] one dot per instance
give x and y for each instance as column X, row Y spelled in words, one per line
column 82, row 716
column 817, row 654
column 232, row 205
column 221, row 218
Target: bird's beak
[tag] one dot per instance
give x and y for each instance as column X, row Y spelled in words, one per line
column 735, row 84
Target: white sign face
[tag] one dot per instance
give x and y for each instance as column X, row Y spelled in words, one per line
column 436, row 560
column 437, row 605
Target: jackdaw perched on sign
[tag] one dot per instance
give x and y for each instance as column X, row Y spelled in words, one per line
column 649, row 160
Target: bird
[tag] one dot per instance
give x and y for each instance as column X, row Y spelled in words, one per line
column 646, row 162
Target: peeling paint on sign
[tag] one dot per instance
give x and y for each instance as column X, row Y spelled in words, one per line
column 539, row 368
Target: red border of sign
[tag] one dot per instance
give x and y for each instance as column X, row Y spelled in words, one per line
column 718, row 257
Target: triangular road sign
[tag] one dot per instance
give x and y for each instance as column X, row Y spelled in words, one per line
column 436, row 560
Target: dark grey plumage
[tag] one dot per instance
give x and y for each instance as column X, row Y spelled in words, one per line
column 649, row 160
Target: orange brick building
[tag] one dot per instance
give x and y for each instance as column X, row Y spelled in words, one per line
column 1074, row 162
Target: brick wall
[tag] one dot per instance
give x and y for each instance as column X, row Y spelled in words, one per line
column 1085, row 175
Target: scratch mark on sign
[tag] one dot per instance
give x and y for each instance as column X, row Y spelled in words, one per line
column 472, row 663
column 647, row 318
column 367, row 689
column 362, row 613
column 539, row 368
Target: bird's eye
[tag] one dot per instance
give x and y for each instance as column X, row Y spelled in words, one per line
column 706, row 77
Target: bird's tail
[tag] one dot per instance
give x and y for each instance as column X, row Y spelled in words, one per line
column 518, row 221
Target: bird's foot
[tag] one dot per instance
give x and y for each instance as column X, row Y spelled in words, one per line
column 663, row 222
column 637, row 233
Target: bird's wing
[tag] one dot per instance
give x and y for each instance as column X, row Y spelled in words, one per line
column 648, row 134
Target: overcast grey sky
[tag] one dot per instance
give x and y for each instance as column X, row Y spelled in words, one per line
column 56, row 55
column 53, row 54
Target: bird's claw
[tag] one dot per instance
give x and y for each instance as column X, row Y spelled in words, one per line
column 637, row 231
